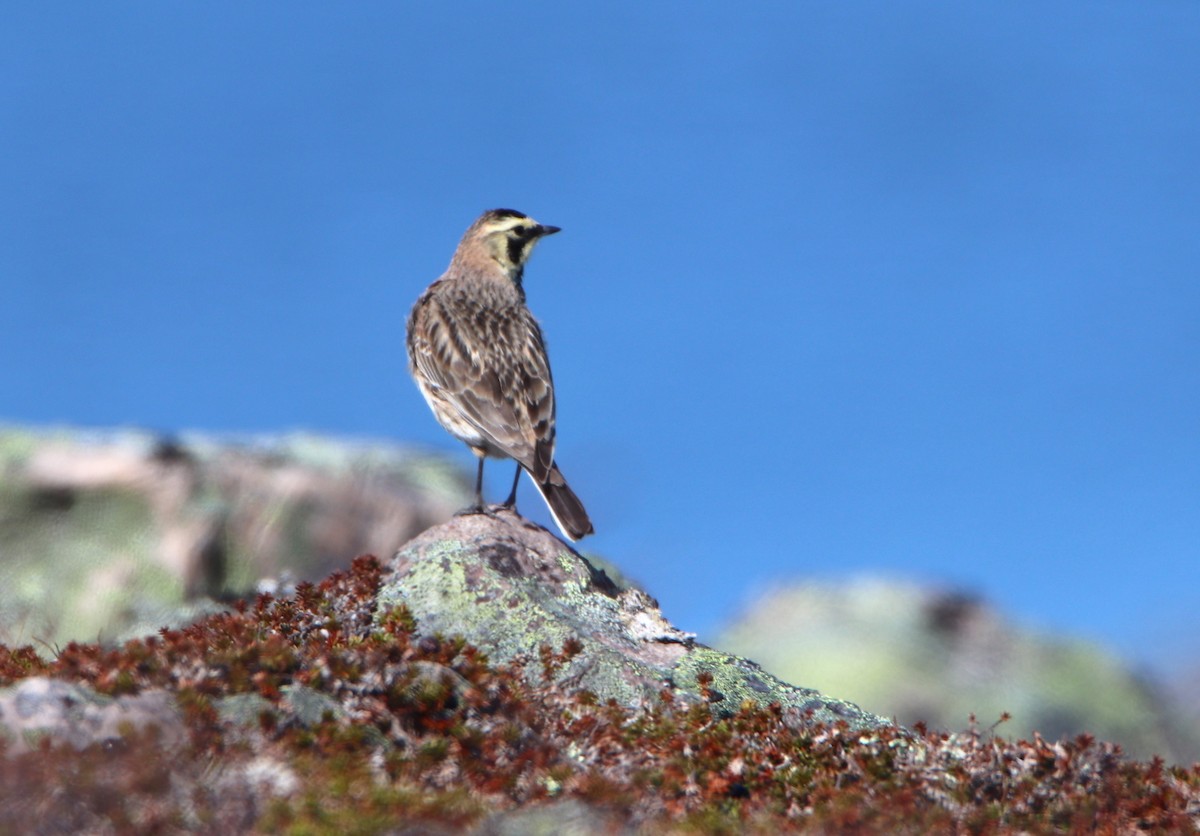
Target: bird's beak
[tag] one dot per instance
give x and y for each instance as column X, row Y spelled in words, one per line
column 543, row 231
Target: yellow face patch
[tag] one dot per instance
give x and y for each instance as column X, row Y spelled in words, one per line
column 511, row 239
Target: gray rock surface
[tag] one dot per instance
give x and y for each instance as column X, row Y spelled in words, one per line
column 34, row 708
column 560, row 818
column 510, row 587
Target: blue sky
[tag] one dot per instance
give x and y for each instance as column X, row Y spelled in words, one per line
column 843, row 288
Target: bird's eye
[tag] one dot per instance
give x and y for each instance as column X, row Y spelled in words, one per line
column 519, row 229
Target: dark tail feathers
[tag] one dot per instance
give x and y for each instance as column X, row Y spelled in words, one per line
column 568, row 511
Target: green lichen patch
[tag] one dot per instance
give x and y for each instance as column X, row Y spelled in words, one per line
column 513, row 588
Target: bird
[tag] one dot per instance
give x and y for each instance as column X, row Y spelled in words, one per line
column 478, row 357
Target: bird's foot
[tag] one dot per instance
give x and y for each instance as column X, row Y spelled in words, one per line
column 474, row 510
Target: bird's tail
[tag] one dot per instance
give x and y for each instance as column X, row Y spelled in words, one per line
column 564, row 505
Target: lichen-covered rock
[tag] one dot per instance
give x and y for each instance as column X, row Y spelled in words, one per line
column 922, row 654
column 111, row 535
column 511, row 588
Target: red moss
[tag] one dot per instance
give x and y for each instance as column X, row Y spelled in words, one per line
column 20, row 663
column 426, row 729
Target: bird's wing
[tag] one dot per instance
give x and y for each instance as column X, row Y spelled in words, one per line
column 491, row 367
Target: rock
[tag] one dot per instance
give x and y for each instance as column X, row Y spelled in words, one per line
column 563, row 818
column 510, row 587
column 40, row 707
column 921, row 654
column 112, row 535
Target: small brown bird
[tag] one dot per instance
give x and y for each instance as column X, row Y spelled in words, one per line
column 478, row 357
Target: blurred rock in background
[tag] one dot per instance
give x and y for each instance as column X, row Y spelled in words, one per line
column 111, row 534
column 920, row 654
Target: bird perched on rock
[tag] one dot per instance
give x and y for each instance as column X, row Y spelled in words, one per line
column 478, row 357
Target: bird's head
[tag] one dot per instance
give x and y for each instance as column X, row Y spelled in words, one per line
column 507, row 237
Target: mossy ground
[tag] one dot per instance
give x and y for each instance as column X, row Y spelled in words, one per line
column 426, row 729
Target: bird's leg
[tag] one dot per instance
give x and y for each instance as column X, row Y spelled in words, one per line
column 479, row 486
column 511, row 502
column 476, row 507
